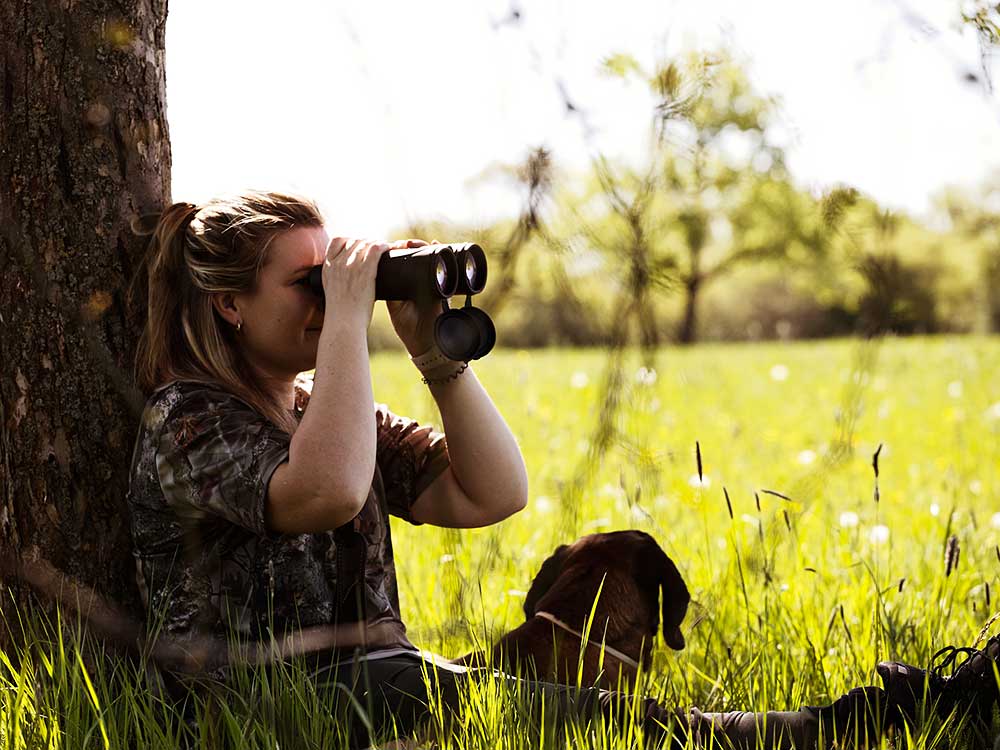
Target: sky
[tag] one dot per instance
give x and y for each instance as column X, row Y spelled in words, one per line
column 389, row 112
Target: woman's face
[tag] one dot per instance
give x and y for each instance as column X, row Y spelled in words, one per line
column 282, row 317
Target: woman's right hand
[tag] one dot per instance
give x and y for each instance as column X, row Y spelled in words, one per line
column 349, row 276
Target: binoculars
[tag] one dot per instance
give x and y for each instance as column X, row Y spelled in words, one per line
column 437, row 272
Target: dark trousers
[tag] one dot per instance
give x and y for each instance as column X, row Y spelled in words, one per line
column 402, row 694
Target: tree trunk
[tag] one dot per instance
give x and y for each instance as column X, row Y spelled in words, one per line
column 83, row 149
column 688, row 330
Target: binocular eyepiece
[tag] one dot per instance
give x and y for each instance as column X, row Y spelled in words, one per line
column 437, row 272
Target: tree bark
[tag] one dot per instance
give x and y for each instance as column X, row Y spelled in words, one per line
column 83, row 148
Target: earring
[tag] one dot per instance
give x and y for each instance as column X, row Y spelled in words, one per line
column 239, row 326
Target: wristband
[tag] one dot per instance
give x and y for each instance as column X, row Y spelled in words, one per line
column 430, row 360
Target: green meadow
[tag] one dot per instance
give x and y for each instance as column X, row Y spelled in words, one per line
column 809, row 574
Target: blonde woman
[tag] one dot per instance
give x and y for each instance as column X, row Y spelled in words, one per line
column 258, row 511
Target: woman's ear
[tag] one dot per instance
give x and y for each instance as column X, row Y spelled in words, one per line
column 225, row 304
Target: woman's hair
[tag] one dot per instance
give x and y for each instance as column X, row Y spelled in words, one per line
column 198, row 251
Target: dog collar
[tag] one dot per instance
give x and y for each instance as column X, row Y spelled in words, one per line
column 608, row 649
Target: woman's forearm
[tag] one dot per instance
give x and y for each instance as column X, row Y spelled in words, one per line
column 485, row 457
column 333, row 450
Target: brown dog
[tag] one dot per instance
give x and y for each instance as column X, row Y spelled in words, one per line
column 633, row 570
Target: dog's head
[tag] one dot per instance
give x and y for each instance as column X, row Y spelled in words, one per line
column 569, row 578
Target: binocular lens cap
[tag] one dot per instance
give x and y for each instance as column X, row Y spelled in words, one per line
column 487, row 331
column 457, row 335
column 465, row 333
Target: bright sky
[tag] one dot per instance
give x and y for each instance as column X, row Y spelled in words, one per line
column 389, row 111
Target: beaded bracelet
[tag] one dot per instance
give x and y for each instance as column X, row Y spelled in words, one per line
column 447, row 379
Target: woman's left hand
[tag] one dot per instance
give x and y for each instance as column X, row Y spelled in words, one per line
column 413, row 321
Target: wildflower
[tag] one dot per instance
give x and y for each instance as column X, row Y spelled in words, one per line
column 994, row 411
column 936, row 510
column 848, row 519
column 995, row 521
column 542, row 504
column 579, row 379
column 702, row 481
column 645, row 376
column 446, row 559
column 955, row 389
column 976, row 487
column 779, row 373
column 879, row 534
column 806, row 457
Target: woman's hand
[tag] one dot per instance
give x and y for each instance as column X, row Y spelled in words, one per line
column 414, row 322
column 349, row 276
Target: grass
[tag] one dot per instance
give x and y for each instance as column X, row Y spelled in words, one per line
column 794, row 600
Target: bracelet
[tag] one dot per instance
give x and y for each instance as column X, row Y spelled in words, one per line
column 447, row 379
column 432, row 359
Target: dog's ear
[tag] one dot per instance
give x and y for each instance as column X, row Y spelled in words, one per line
column 547, row 575
column 659, row 575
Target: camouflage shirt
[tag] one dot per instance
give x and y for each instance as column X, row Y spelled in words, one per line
column 207, row 562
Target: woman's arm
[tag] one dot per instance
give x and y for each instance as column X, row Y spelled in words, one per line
column 487, row 480
column 331, row 458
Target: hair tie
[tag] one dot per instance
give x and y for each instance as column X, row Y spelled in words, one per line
column 144, row 225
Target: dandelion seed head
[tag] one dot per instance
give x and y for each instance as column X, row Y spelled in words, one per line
column 848, row 519
column 645, row 376
column 995, row 521
column 703, row 481
column 955, row 389
column 879, row 534
column 806, row 457
column 935, row 510
column 994, row 411
column 542, row 504
column 976, row 487
column 779, row 373
column 579, row 379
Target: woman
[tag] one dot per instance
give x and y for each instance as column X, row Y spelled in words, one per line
column 254, row 517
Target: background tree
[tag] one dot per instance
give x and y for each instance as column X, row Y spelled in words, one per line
column 714, row 194
column 84, row 149
column 974, row 216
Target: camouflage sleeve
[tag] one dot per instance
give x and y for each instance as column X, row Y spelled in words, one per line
column 409, row 456
column 215, row 456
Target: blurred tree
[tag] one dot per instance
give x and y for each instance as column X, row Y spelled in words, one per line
column 85, row 148
column 714, row 194
column 897, row 275
column 975, row 216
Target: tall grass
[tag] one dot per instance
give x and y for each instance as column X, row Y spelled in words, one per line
column 802, row 580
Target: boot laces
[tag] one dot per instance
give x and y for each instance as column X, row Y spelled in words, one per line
column 947, row 657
